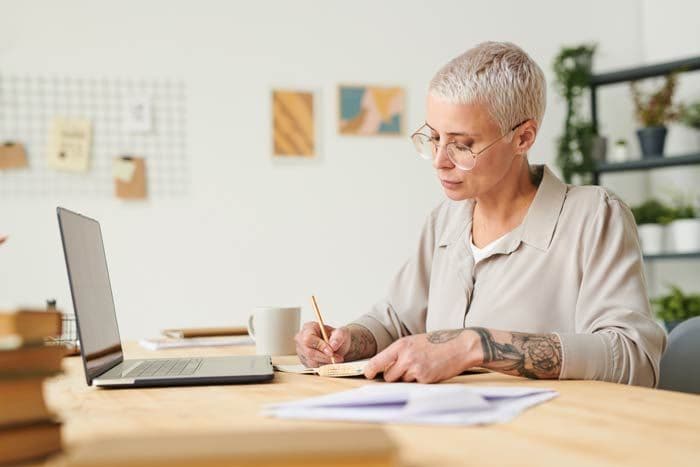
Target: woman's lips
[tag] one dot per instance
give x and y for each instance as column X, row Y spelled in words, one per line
column 449, row 184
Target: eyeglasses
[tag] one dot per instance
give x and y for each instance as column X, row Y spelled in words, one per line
column 461, row 155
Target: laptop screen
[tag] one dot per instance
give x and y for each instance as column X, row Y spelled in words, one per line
column 93, row 303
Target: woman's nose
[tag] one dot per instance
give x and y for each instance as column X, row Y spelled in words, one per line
column 441, row 161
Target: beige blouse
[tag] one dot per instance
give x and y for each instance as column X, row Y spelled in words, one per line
column 573, row 267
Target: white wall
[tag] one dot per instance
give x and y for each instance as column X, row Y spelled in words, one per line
column 252, row 231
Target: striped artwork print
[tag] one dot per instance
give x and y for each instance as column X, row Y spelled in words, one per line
column 293, row 123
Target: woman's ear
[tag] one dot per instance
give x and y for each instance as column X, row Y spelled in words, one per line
column 525, row 136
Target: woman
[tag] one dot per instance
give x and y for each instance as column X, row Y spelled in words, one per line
column 515, row 271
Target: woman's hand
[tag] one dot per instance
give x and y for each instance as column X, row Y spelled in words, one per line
column 347, row 343
column 427, row 358
column 313, row 351
column 440, row 355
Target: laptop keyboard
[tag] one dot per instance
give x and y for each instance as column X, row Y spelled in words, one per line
column 165, row 367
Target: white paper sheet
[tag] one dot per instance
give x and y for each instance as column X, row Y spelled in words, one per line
column 123, row 169
column 70, row 140
column 217, row 341
column 444, row 404
column 298, row 369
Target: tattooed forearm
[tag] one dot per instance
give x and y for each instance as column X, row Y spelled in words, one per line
column 440, row 337
column 362, row 343
column 529, row 355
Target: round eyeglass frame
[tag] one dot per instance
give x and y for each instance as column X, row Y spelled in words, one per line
column 418, row 142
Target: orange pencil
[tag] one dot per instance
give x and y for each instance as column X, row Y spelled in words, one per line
column 320, row 323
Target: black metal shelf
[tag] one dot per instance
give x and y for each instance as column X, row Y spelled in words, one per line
column 631, row 74
column 647, row 163
column 672, row 256
column 648, row 71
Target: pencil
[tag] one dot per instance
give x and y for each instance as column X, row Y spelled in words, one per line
column 320, row 323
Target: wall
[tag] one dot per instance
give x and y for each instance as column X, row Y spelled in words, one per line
column 253, row 231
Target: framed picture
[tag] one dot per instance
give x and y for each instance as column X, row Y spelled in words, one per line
column 367, row 110
column 295, row 132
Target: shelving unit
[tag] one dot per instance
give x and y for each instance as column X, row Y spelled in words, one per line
column 695, row 255
column 631, row 74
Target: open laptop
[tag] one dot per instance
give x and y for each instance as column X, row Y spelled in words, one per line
column 96, row 319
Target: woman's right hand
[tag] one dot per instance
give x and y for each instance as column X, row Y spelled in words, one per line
column 314, row 352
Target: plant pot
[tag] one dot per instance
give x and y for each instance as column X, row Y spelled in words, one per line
column 599, row 148
column 652, row 140
column 651, row 236
column 684, row 235
column 619, row 153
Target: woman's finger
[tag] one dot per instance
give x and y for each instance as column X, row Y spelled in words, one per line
column 395, row 371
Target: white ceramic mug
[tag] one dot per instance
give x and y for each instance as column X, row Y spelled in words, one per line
column 273, row 329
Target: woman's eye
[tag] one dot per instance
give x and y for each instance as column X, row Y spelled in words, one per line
column 463, row 147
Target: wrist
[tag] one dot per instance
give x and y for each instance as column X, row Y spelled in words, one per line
column 473, row 350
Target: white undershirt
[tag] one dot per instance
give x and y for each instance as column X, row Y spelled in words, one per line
column 481, row 253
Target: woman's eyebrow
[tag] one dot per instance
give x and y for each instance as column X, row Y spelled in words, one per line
column 453, row 133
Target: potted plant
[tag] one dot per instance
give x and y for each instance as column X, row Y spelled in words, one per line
column 572, row 75
column 690, row 115
column 599, row 147
column 684, row 230
column 654, row 110
column 651, row 217
column 619, row 152
column 676, row 307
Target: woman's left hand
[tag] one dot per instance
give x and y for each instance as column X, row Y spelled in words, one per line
column 427, row 358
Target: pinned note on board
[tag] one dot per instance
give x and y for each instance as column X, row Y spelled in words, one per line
column 69, row 144
column 137, row 114
column 129, row 177
column 12, row 156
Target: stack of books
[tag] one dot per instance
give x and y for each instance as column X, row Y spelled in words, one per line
column 28, row 430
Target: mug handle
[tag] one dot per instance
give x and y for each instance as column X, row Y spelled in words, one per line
column 251, row 328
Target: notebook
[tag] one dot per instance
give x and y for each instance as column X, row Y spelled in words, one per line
column 333, row 370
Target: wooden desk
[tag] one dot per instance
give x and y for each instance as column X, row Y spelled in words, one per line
column 590, row 423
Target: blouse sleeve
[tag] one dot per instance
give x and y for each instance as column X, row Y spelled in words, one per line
column 616, row 338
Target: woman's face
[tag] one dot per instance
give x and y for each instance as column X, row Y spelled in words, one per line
column 471, row 125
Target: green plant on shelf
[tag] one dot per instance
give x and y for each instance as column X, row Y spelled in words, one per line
column 684, row 211
column 656, row 108
column 676, row 305
column 690, row 115
column 572, row 76
column 652, row 211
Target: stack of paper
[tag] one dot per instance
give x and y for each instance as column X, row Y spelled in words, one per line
column 444, row 404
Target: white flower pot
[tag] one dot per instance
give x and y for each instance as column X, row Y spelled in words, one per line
column 619, row 153
column 651, row 236
column 684, row 235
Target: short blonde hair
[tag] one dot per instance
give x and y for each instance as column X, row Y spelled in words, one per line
column 498, row 74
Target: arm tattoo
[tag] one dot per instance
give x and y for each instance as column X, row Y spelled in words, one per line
column 362, row 343
column 440, row 337
column 529, row 355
